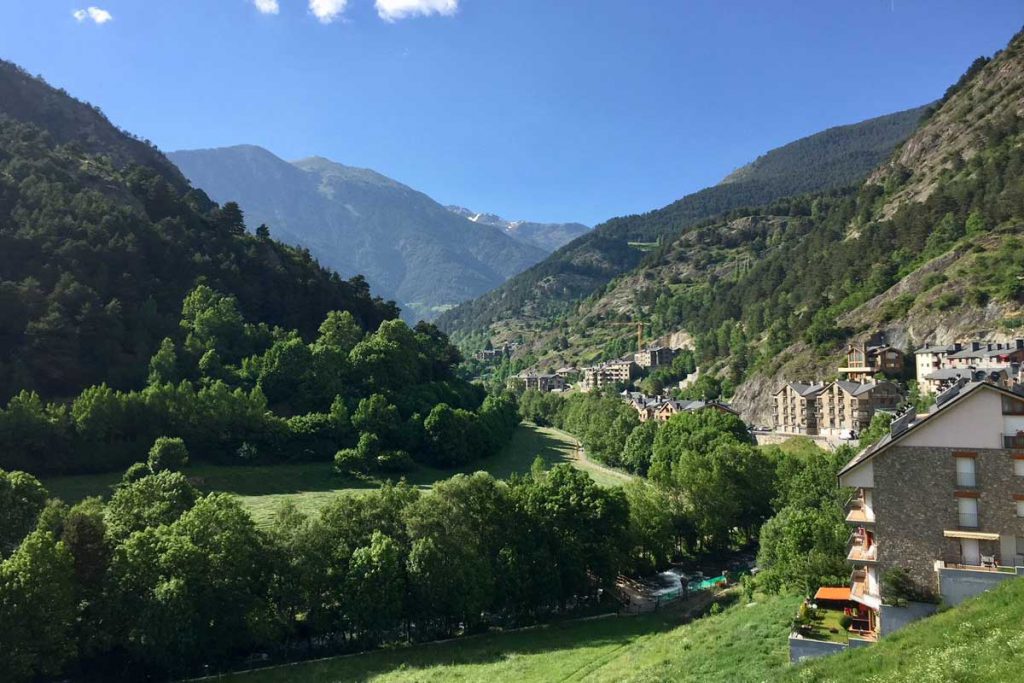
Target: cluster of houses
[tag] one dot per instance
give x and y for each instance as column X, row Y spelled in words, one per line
column 496, row 355
column 843, row 408
column 941, row 366
column 612, row 373
column 661, row 409
column 941, row 498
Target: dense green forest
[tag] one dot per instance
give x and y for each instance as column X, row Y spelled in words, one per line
column 97, row 253
column 835, row 158
column 162, row 581
column 245, row 393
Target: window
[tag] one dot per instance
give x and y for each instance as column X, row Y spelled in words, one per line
column 1018, row 467
column 1012, row 406
column 967, row 509
column 1020, row 508
column 965, row 473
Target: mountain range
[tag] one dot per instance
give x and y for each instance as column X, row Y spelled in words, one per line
column 834, row 158
column 927, row 246
column 409, row 247
column 101, row 239
column 547, row 236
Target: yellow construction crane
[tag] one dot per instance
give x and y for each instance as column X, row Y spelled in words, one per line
column 639, row 333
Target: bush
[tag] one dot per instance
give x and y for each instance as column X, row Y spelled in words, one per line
column 394, row 461
column 348, row 461
column 168, row 454
column 846, row 621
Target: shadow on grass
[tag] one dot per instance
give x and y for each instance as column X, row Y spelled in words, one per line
column 527, row 442
column 596, row 635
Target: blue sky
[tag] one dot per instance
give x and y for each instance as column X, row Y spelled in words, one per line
column 538, row 109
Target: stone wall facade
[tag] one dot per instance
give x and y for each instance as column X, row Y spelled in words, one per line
column 915, row 501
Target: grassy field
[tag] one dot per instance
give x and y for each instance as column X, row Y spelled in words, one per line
column 311, row 485
column 744, row 643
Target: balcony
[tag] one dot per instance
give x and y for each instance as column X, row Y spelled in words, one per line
column 861, row 590
column 857, row 512
column 860, row 551
column 1013, row 441
column 967, row 520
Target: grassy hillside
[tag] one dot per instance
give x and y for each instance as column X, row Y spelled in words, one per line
column 834, row 158
column 979, row 641
column 745, row 643
column 309, row 486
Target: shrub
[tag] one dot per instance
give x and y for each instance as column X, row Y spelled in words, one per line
column 846, row 621
column 168, row 454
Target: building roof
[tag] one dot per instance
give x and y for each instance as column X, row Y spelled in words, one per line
column 956, row 373
column 982, row 353
column 804, row 389
column 855, row 388
column 943, row 402
column 937, row 348
column 838, row 593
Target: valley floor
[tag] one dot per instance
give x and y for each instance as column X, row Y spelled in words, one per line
column 311, row 485
column 744, row 643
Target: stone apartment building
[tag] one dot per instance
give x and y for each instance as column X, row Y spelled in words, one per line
column 844, row 406
column 538, row 381
column 864, row 361
column 942, row 497
column 796, row 408
column 611, row 373
column 654, row 357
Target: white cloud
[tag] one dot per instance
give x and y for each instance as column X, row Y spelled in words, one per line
column 97, row 15
column 327, row 10
column 392, row 10
column 267, row 6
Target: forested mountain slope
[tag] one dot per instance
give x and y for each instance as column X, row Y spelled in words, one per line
column 101, row 238
column 834, row 158
column 355, row 220
column 929, row 247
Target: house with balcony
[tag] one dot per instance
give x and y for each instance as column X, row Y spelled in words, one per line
column 940, row 498
column 610, row 373
column 654, row 357
column 866, row 360
column 796, row 408
column 846, row 407
column 542, row 382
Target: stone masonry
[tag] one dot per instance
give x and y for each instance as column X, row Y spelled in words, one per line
column 915, row 493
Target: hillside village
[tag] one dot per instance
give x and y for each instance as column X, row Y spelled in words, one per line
column 225, row 453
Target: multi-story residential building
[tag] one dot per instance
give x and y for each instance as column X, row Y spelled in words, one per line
column 538, row 381
column 939, row 380
column 987, row 355
column 611, row 373
column 930, row 358
column 942, row 498
column 844, row 407
column 864, row 361
column 654, row 357
column 796, row 408
column 938, row 365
